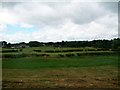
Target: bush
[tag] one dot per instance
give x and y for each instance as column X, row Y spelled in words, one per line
column 7, row 51
column 91, row 49
column 39, row 55
column 45, row 54
column 57, row 51
column 96, row 53
column 36, row 55
column 60, row 55
column 49, row 51
column 37, row 50
column 99, row 49
column 74, row 50
column 103, row 49
column 101, row 53
column 13, row 55
column 20, row 50
column 70, row 55
column 79, row 50
column 116, row 49
column 78, row 54
column 22, row 55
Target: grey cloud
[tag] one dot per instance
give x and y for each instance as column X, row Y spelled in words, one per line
column 52, row 13
column 9, row 4
column 57, row 13
column 111, row 6
column 94, row 11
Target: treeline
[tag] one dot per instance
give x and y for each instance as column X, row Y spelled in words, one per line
column 105, row 44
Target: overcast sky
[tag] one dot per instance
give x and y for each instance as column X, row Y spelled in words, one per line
column 57, row 21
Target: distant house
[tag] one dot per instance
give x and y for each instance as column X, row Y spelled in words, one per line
column 20, row 46
column 23, row 46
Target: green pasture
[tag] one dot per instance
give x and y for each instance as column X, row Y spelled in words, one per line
column 66, row 62
column 28, row 69
column 30, row 49
column 29, row 59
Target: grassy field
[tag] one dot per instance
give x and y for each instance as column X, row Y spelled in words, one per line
column 97, row 71
column 43, row 48
column 66, row 62
column 84, row 77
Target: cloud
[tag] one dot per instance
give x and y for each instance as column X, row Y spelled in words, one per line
column 51, row 14
column 7, row 16
column 111, row 6
column 60, row 21
column 25, row 25
column 2, row 28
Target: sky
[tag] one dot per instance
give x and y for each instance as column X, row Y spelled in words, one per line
column 58, row 21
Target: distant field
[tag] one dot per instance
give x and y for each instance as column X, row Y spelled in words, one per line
column 69, row 70
column 44, row 48
column 53, row 52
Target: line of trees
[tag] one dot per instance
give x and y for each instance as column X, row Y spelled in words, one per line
column 106, row 44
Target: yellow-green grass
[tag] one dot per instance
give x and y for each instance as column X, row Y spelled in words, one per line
column 84, row 77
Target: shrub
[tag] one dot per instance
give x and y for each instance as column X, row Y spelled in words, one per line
column 61, row 55
column 13, row 55
column 79, row 50
column 45, row 54
column 49, row 51
column 91, row 49
column 73, row 50
column 12, row 50
column 58, row 51
column 96, row 53
column 37, row 55
column 37, row 50
column 99, row 49
column 78, row 54
column 20, row 50
column 116, row 49
column 103, row 49
column 70, row 55
column 23, row 55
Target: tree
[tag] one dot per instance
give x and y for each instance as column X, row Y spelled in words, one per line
column 9, row 45
column 4, row 43
column 34, row 44
column 116, row 43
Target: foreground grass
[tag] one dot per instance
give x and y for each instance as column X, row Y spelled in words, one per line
column 73, row 72
column 84, row 77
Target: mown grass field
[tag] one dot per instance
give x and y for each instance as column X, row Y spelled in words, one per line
column 66, row 62
column 43, row 48
column 96, row 71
